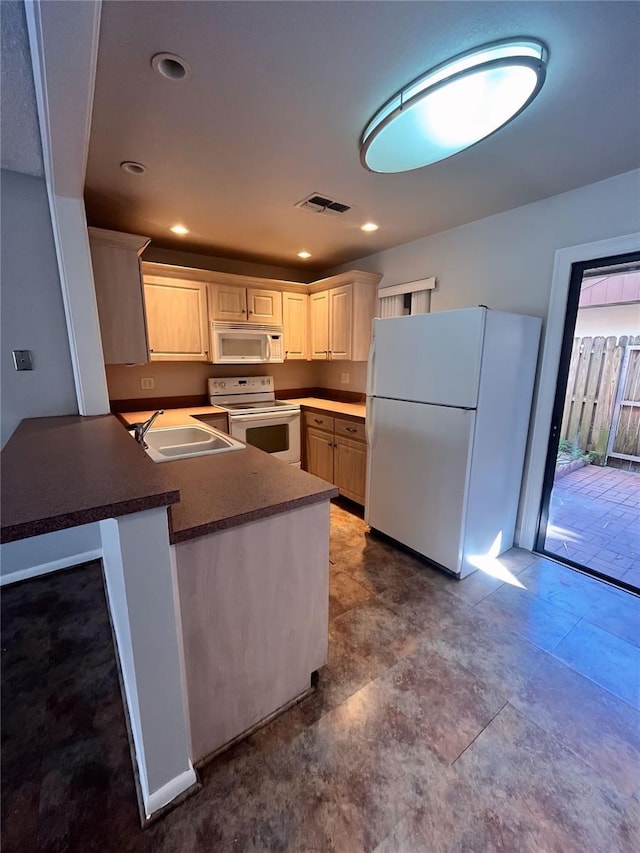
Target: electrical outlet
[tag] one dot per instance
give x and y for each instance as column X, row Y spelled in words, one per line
column 22, row 359
column 345, row 378
column 147, row 383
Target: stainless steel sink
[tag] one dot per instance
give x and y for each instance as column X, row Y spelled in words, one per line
column 166, row 444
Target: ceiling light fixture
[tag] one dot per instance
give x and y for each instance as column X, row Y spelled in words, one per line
column 180, row 229
column 304, row 255
column 171, row 66
column 454, row 105
column 369, row 226
column 132, row 167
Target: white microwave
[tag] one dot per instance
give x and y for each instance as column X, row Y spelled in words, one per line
column 246, row 343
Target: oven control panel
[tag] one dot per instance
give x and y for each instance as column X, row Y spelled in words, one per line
column 240, row 385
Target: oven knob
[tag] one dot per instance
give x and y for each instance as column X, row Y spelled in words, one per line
column 223, row 384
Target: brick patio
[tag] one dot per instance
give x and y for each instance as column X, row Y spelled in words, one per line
column 594, row 519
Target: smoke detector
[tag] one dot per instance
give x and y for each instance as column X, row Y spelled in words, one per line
column 324, row 205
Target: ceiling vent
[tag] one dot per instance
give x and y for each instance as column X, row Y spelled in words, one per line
column 317, row 203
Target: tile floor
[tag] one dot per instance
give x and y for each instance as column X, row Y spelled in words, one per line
column 594, row 519
column 479, row 715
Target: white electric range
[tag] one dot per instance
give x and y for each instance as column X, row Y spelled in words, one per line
column 256, row 417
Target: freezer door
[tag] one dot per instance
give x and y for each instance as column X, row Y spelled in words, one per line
column 418, row 472
column 428, row 358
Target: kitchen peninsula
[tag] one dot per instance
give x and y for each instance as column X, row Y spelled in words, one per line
column 247, row 540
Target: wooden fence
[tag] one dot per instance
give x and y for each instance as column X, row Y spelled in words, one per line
column 592, row 393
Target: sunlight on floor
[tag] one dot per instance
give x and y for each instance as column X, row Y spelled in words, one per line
column 490, row 564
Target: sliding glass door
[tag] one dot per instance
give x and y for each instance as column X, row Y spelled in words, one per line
column 590, row 511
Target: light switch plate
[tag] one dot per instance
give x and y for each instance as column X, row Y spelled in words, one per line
column 23, row 359
column 146, row 383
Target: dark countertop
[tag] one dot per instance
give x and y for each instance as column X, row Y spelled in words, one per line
column 64, row 471
column 227, row 489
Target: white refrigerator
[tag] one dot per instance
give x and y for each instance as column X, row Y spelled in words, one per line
column 448, row 407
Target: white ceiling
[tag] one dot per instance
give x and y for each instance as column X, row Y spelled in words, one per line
column 19, row 130
column 281, row 91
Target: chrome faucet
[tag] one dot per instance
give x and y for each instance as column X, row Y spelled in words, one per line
column 141, row 429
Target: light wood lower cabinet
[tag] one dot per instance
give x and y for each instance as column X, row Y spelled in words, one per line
column 350, row 468
column 336, row 451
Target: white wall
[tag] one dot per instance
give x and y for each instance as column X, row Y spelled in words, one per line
column 506, row 261
column 32, row 310
column 38, row 555
column 605, row 320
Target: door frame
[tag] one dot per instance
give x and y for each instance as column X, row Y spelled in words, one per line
column 548, row 377
column 578, row 269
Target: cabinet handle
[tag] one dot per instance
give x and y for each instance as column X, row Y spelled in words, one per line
column 335, row 445
column 351, row 429
column 330, row 444
column 317, row 420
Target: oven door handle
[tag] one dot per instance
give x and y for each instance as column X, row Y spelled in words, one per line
column 280, row 416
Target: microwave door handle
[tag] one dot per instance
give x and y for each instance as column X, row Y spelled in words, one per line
column 268, row 347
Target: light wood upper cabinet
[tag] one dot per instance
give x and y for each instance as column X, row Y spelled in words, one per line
column 340, row 322
column 264, row 306
column 115, row 259
column 295, row 319
column 233, row 304
column 319, row 325
column 229, row 303
column 177, row 319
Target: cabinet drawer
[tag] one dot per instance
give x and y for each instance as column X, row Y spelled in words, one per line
column 351, row 429
column 313, row 419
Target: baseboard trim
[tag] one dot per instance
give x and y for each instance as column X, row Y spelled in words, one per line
column 170, row 791
column 53, row 566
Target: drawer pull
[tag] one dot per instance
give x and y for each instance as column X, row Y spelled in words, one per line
column 318, row 420
column 351, row 429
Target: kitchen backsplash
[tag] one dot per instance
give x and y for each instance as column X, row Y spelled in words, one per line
column 341, row 375
column 180, row 379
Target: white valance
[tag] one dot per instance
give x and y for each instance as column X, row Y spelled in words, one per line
column 412, row 297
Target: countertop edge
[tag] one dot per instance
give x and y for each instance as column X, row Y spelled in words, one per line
column 52, row 524
column 252, row 515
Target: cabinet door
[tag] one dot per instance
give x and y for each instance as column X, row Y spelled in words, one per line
column 177, row 319
column 320, row 454
column 296, row 325
column 319, row 325
column 350, row 468
column 119, row 295
column 229, row 303
column 340, row 323
column 265, row 306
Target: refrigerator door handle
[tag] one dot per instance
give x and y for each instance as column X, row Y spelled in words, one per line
column 369, row 423
column 371, row 365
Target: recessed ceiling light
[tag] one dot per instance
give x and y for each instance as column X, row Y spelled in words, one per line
column 454, row 105
column 132, row 167
column 171, row 66
column 180, row 229
column 304, row 255
column 369, row 226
